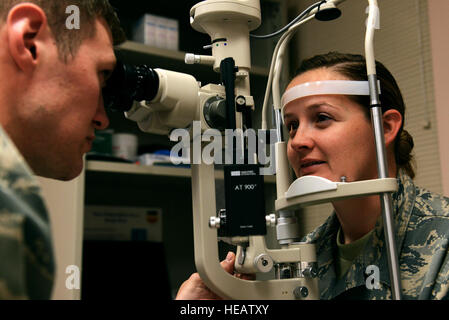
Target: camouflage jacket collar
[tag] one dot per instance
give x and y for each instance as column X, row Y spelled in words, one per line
column 374, row 252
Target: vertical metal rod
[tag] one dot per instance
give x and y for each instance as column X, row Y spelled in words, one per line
column 278, row 124
column 385, row 198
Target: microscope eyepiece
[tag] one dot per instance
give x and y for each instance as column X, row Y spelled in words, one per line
column 130, row 83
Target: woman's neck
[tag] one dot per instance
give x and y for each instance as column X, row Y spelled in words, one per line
column 357, row 216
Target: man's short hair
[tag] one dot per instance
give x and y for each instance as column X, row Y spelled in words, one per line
column 69, row 40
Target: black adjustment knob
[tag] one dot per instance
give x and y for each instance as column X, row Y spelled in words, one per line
column 328, row 14
column 215, row 113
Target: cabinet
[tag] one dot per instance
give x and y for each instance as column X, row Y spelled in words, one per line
column 129, row 185
column 119, row 184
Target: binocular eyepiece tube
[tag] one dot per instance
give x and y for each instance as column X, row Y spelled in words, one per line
column 129, row 83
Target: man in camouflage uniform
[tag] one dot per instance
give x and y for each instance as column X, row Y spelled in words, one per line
column 50, row 106
column 25, row 239
column 422, row 237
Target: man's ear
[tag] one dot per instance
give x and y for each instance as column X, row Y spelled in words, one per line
column 392, row 121
column 26, row 26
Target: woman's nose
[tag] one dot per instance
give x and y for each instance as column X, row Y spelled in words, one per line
column 303, row 139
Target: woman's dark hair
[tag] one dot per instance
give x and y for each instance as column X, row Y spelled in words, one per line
column 354, row 67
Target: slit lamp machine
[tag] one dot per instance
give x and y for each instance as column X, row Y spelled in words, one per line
column 162, row 100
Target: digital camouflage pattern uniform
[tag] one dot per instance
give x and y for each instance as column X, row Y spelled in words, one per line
column 422, row 236
column 26, row 254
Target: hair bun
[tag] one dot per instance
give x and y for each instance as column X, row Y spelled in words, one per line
column 404, row 153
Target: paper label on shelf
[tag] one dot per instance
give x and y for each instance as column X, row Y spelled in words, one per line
column 157, row 31
column 115, row 223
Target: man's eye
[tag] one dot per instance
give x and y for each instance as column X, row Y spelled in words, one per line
column 106, row 74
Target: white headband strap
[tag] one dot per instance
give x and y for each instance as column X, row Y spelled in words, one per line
column 345, row 87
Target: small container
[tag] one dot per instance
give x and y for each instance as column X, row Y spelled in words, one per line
column 157, row 31
column 124, row 146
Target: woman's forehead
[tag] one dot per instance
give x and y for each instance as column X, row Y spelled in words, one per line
column 336, row 102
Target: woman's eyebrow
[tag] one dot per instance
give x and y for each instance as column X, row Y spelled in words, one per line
column 320, row 104
column 310, row 108
column 288, row 115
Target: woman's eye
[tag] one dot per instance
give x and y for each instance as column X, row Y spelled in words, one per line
column 323, row 117
column 292, row 125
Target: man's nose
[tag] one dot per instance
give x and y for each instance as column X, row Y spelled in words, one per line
column 101, row 120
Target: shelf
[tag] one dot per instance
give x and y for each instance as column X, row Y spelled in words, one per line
column 152, row 51
column 177, row 56
column 129, row 168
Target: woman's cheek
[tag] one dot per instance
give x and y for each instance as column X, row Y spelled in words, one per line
column 292, row 157
column 290, row 153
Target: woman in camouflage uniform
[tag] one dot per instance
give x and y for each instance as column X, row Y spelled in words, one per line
column 331, row 136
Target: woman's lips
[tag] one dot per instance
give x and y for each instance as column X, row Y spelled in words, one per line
column 309, row 167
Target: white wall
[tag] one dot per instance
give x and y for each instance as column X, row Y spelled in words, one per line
column 439, row 36
column 65, row 203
